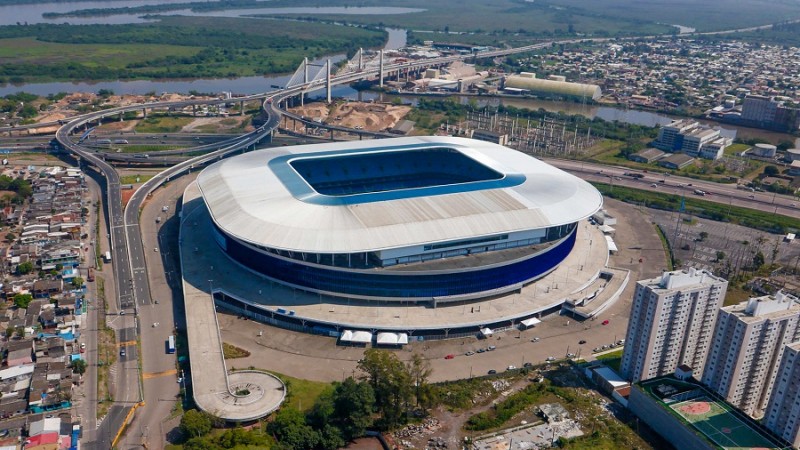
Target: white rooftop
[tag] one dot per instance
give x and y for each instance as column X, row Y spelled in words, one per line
column 248, row 200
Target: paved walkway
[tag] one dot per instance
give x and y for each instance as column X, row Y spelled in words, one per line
column 578, row 271
column 240, row 396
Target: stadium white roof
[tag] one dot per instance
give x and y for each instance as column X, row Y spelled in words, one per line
column 249, row 201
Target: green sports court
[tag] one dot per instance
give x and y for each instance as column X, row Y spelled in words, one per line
column 717, row 422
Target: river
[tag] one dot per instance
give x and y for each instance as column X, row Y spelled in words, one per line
column 32, row 13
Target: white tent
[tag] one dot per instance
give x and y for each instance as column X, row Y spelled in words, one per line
column 362, row 337
column 385, row 338
column 487, row 332
column 531, row 322
column 347, row 336
column 606, row 229
column 612, row 247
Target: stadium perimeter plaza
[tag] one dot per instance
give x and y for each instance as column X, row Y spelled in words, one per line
column 237, row 397
column 206, row 267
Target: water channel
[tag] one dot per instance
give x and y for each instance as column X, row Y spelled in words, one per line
column 32, row 13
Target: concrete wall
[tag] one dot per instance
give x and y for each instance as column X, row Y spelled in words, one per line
column 664, row 423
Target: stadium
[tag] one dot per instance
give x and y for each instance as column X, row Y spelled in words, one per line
column 414, row 220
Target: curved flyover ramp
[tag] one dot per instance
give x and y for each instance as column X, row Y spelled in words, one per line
column 236, row 397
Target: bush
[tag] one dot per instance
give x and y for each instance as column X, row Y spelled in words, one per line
column 506, row 409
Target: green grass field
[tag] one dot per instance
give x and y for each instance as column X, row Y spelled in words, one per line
column 501, row 19
column 175, row 47
column 600, row 17
column 134, row 179
column 612, row 359
column 31, row 51
column 719, row 425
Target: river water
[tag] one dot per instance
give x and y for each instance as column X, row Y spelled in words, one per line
column 32, row 13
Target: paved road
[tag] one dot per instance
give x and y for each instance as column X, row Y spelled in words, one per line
column 719, row 193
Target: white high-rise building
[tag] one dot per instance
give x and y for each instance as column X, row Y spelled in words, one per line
column 783, row 411
column 672, row 322
column 746, row 350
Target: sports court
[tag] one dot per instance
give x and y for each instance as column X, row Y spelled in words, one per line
column 720, row 425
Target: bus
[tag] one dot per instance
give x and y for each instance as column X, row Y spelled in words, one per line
column 171, row 344
column 107, row 257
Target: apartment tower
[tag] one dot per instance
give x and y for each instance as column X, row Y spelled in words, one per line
column 782, row 416
column 672, row 323
column 749, row 339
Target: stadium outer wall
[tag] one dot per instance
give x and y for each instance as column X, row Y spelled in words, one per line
column 433, row 286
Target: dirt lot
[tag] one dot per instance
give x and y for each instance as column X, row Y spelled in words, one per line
column 370, row 116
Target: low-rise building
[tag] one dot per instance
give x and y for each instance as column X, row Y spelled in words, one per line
column 647, row 155
column 676, row 161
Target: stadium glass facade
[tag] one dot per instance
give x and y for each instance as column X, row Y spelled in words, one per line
column 418, row 285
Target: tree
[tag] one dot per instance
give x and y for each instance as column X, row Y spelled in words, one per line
column 79, row 366
column 419, row 369
column 195, row 423
column 23, row 300
column 77, row 282
column 391, row 383
column 24, row 268
column 758, row 260
column 771, row 171
column 703, row 235
column 291, row 430
column 720, row 255
column 10, row 237
column 352, row 408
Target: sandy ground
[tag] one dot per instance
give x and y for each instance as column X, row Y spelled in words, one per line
column 214, row 121
column 371, row 116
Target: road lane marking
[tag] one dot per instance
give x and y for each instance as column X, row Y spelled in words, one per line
column 149, row 375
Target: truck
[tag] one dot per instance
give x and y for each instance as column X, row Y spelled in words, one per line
column 90, row 275
column 107, row 257
column 699, row 192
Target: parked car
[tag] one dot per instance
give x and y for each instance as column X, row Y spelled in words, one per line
column 606, row 322
column 550, row 358
column 450, row 356
column 492, row 372
column 122, row 352
column 490, row 348
column 481, row 350
column 582, row 341
column 512, row 368
column 536, row 339
column 571, row 355
column 527, row 364
column 469, row 353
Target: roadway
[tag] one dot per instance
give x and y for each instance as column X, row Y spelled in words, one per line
column 727, row 194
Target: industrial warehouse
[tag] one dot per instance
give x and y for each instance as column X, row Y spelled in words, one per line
column 418, row 235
